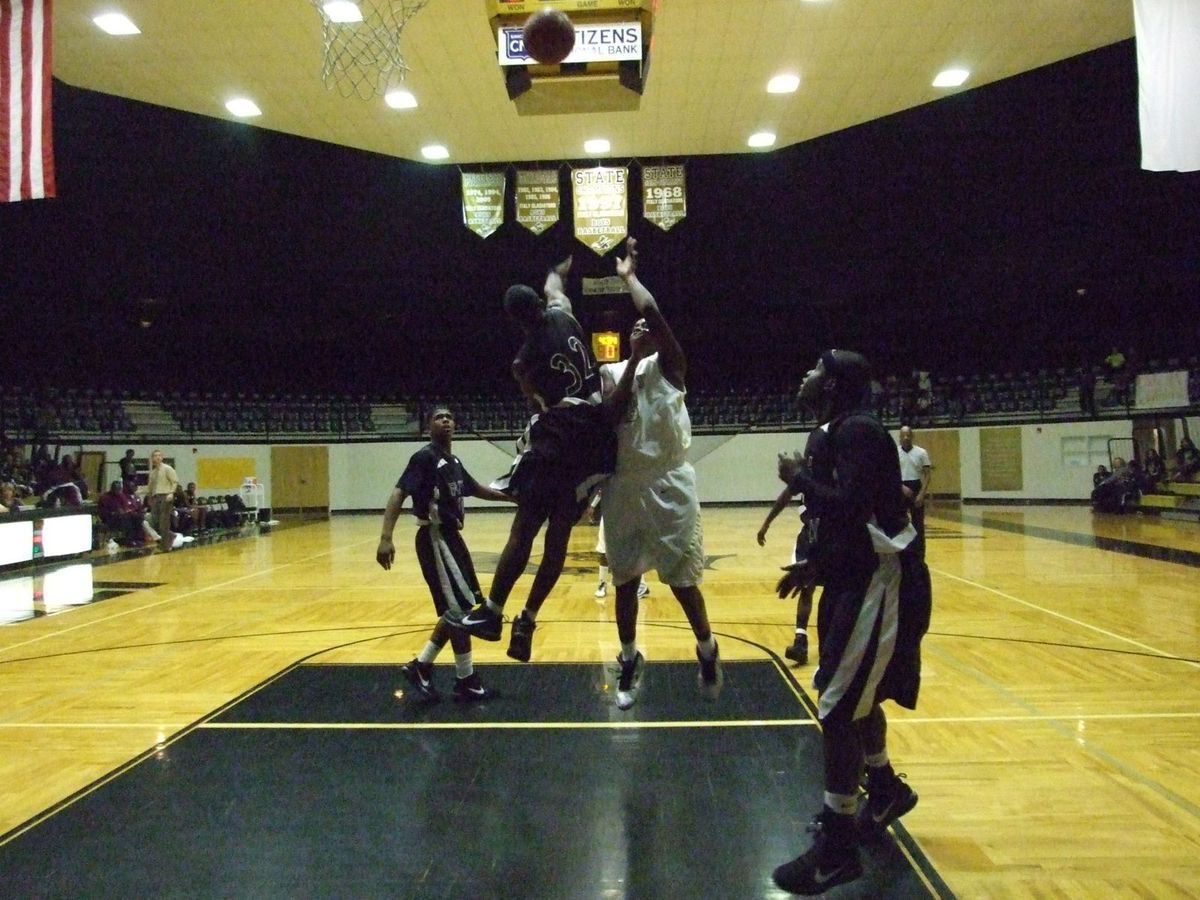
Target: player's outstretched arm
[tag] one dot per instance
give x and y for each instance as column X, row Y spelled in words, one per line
column 555, row 287
column 485, row 492
column 781, row 502
column 617, row 400
column 385, row 555
column 670, row 354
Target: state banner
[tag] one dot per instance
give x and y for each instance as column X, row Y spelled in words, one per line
column 601, row 201
column 537, row 199
column 483, row 201
column 664, row 195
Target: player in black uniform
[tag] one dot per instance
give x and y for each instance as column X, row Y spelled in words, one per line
column 437, row 482
column 569, row 448
column 874, row 610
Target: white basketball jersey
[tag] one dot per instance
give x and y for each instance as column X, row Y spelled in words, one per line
column 656, row 431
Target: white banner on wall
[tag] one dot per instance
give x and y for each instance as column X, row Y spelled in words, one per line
column 1161, row 390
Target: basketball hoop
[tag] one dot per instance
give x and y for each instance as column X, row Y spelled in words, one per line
column 362, row 44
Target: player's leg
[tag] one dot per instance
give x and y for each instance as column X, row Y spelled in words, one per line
column 711, row 675
column 630, row 660
column 833, row 857
column 888, row 796
column 484, row 621
column 798, row 651
column 554, row 555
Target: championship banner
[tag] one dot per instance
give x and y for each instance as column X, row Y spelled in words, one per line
column 601, row 201
column 483, row 201
column 537, row 199
column 664, row 195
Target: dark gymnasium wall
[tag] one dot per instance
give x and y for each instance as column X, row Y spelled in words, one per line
column 1003, row 227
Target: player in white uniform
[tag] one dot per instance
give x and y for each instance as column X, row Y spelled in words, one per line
column 651, row 512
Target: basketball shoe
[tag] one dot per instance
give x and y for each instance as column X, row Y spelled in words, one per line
column 888, row 798
column 629, row 679
column 480, row 621
column 471, row 690
column 830, row 861
column 520, row 645
column 711, row 676
column 420, row 676
column 798, row 651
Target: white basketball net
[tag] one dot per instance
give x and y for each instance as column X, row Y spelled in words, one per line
column 363, row 58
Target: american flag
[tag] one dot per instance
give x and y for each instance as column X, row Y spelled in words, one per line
column 26, row 147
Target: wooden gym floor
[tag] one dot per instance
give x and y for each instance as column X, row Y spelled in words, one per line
column 222, row 721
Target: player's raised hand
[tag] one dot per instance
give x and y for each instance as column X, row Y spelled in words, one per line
column 563, row 269
column 628, row 265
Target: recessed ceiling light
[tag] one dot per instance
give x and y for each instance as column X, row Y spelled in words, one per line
column 596, row 145
column 761, row 139
column 435, row 151
column 783, row 84
column 951, row 78
column 244, row 107
column 116, row 23
column 342, row 12
column 399, row 99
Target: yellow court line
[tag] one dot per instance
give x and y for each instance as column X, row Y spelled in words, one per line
column 211, row 587
column 453, row 726
column 1050, row 612
column 737, row 723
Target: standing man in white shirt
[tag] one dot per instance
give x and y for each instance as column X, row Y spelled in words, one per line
column 161, row 491
column 916, row 470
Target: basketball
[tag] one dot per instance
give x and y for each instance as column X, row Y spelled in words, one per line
column 549, row 36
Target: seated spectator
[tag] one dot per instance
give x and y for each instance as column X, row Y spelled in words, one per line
column 1187, row 460
column 183, row 517
column 198, row 511
column 1117, row 492
column 60, row 485
column 123, row 516
column 1101, row 474
column 1155, row 470
column 8, row 498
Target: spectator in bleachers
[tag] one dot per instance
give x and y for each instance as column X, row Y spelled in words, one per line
column 15, row 471
column 1117, row 492
column 1187, row 460
column 198, row 510
column 1101, row 474
column 8, row 498
column 122, row 514
column 60, row 486
column 128, row 468
column 1154, row 471
column 1087, row 391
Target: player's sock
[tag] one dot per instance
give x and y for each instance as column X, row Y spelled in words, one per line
column 494, row 606
column 463, row 667
column 707, row 647
column 628, row 650
column 429, row 653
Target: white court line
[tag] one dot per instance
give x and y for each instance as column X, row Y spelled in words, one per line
column 211, row 587
column 1096, row 628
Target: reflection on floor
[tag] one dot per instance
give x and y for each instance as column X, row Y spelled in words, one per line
column 322, row 783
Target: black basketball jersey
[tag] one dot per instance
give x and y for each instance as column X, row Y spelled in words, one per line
column 437, row 482
column 558, row 362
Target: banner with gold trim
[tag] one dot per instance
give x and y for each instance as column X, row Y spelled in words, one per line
column 601, row 202
column 537, row 198
column 664, row 195
column 483, row 201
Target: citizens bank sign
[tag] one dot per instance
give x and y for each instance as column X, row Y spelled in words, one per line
column 611, row 41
